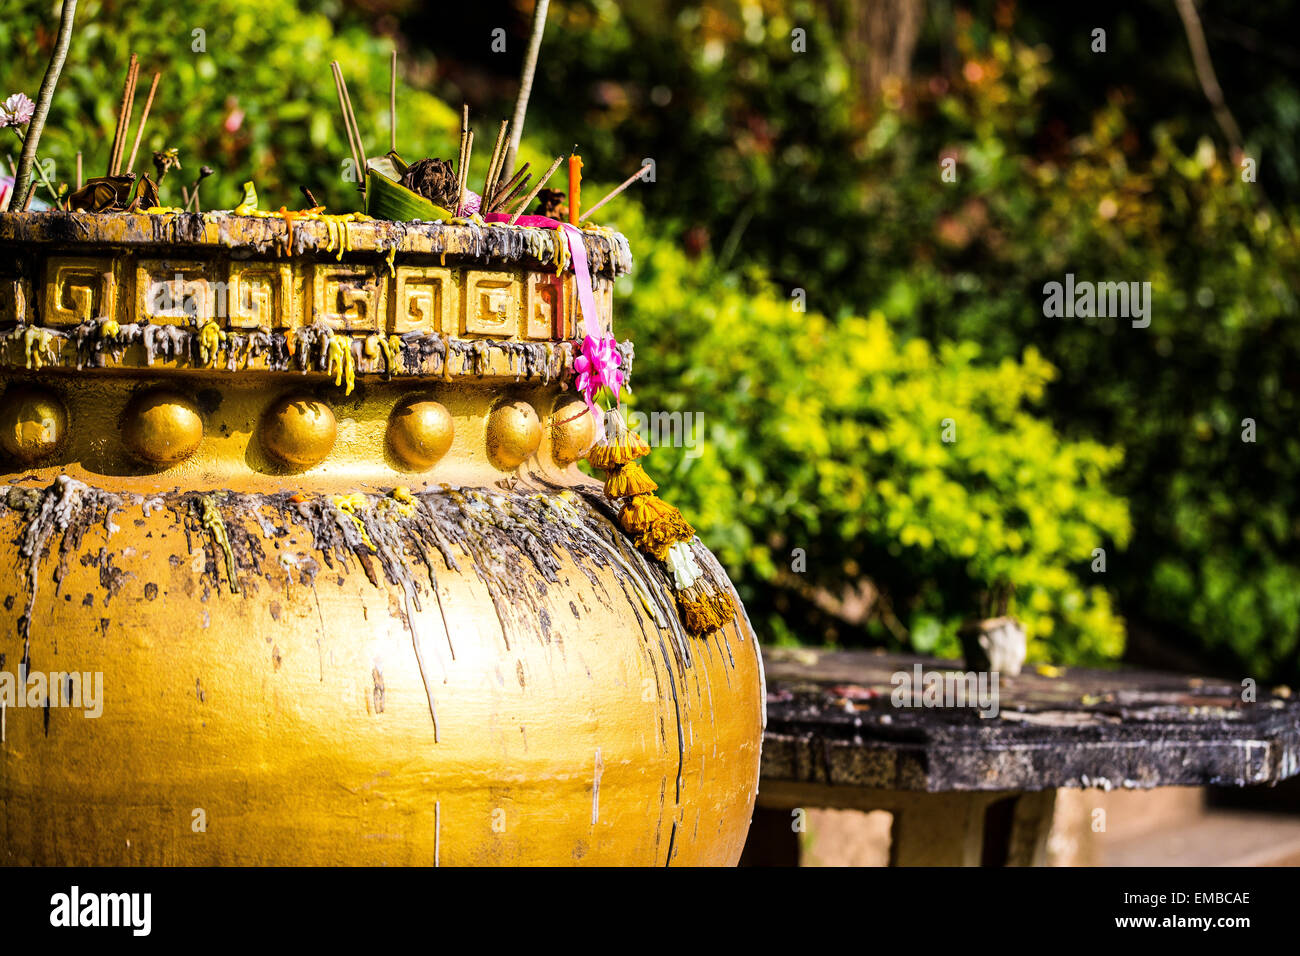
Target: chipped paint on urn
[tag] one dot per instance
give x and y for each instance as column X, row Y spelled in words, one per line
column 321, row 641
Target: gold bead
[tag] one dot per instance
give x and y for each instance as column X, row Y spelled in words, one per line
column 513, row 434
column 298, row 431
column 33, row 423
column 573, row 430
column 161, row 427
column 420, row 432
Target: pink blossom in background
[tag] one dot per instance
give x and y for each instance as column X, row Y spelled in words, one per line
column 234, row 120
column 16, row 111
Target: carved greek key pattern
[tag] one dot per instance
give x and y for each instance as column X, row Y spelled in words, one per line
column 260, row 294
column 283, row 294
column 424, row 298
column 174, row 292
column 78, row 289
column 349, row 297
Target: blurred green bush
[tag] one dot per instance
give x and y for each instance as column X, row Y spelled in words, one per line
column 829, row 437
column 771, row 157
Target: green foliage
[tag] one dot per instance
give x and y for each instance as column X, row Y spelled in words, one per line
column 828, row 436
column 1213, row 558
column 773, row 159
column 265, row 72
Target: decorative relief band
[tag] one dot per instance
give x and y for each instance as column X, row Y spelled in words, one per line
column 277, row 295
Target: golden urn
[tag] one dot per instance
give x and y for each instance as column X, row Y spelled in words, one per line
column 300, row 568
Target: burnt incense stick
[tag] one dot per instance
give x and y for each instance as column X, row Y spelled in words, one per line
column 462, row 157
column 353, row 146
column 498, row 154
column 356, row 131
column 502, row 191
column 464, row 176
column 78, row 169
column 144, row 118
column 639, row 174
column 536, row 189
column 124, row 116
column 503, row 200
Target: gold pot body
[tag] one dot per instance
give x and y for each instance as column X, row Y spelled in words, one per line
column 369, row 659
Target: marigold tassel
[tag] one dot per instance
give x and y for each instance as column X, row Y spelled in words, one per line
column 703, row 611
column 629, row 480
column 666, row 530
column 609, row 455
column 639, row 511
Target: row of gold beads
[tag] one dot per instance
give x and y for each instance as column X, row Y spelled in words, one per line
column 161, row 427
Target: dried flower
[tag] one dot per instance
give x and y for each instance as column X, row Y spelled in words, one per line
column 629, row 480
column 16, row 111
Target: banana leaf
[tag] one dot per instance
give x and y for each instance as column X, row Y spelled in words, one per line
column 386, row 199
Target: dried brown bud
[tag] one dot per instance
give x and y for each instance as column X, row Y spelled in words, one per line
column 435, row 180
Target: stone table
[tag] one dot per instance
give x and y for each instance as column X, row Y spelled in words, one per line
column 844, row 731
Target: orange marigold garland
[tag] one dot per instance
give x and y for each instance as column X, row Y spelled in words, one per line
column 628, row 480
column 659, row 530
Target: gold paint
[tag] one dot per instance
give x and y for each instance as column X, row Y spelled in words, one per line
column 33, row 423
column 420, row 432
column 573, row 430
column 513, row 434
column 161, row 427
column 299, row 431
column 300, row 707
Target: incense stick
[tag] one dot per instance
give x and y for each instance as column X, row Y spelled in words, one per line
column 144, row 118
column 124, row 116
column 343, row 111
column 78, row 169
column 639, row 174
column 536, row 189
column 353, row 146
column 356, row 130
column 506, row 197
column 510, row 185
column 464, row 175
column 525, row 84
column 126, row 120
column 462, row 156
column 498, row 154
column 117, row 133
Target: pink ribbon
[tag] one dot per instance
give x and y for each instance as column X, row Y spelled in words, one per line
column 601, row 373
